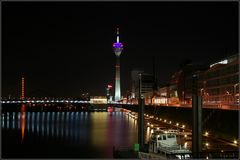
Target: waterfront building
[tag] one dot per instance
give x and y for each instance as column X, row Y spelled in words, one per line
column 98, row 99
column 135, row 83
column 219, row 84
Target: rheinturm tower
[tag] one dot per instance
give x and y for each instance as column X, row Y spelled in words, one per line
column 117, row 48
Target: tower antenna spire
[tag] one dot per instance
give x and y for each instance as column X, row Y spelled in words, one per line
column 117, row 35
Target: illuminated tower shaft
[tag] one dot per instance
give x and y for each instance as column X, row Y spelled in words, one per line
column 117, row 80
column 117, row 48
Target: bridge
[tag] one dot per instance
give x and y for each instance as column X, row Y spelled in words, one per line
column 54, row 101
column 67, row 101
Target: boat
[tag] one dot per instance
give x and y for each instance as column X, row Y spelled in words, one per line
column 164, row 142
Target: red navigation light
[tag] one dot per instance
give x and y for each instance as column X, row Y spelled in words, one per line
column 109, row 86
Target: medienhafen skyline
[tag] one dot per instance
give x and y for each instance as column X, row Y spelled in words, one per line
column 64, row 49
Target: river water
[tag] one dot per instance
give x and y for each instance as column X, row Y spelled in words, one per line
column 27, row 134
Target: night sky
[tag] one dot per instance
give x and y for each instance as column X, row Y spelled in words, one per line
column 65, row 49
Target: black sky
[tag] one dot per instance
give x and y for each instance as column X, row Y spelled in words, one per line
column 64, row 49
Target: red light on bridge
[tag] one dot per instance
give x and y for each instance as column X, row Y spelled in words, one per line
column 109, row 86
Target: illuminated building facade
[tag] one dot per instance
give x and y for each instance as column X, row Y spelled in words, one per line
column 98, row 99
column 220, row 83
column 117, row 48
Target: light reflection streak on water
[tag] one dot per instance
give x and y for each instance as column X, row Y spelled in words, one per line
column 33, row 124
column 23, row 125
column 38, row 122
column 48, row 122
column 13, row 122
column 42, row 123
column 53, row 115
column 28, row 121
column 76, row 127
column 148, row 132
column 72, row 124
column 57, row 124
column 3, row 120
column 63, row 123
column 7, row 120
column 67, row 124
column 19, row 120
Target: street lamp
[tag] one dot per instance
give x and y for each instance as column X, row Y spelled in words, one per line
column 206, row 133
column 235, row 141
column 206, row 144
column 202, row 91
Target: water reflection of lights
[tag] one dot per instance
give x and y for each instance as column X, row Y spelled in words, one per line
column 185, row 145
column 148, row 133
column 152, row 130
column 53, row 117
column 2, row 120
column 57, row 124
column 7, row 120
column 13, row 123
column 38, row 116
column 33, row 117
column 65, row 125
column 19, row 120
column 22, row 121
column 48, row 121
column 28, row 120
column 43, row 114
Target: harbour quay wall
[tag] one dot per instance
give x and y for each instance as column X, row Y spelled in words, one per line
column 218, row 122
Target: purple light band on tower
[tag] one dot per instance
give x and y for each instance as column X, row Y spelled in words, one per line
column 117, row 45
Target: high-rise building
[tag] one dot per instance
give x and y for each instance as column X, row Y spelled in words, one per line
column 117, row 48
column 135, row 82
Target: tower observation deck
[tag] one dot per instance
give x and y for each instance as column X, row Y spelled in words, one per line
column 117, row 48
